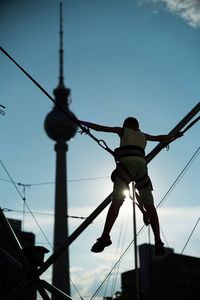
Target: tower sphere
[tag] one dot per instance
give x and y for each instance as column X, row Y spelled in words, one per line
column 57, row 124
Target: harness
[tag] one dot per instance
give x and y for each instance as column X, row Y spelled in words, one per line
column 129, row 150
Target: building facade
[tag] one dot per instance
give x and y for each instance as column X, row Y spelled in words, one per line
column 172, row 276
column 11, row 272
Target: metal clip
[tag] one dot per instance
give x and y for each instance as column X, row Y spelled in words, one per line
column 1, row 110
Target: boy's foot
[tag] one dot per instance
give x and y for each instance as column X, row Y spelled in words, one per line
column 102, row 242
column 159, row 249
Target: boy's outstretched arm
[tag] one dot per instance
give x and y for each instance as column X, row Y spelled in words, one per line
column 99, row 127
column 163, row 137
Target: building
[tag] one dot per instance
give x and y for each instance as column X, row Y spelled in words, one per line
column 172, row 276
column 11, row 272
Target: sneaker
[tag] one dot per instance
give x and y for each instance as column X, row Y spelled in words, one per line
column 159, row 249
column 101, row 243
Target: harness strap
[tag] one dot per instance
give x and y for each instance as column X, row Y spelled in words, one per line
column 140, row 183
column 143, row 182
column 128, row 150
column 122, row 172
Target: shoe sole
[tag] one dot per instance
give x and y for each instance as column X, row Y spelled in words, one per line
column 100, row 249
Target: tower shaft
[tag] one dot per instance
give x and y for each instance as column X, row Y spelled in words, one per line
column 61, row 265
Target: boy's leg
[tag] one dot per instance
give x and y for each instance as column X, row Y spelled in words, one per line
column 112, row 216
column 147, row 198
column 118, row 199
column 154, row 221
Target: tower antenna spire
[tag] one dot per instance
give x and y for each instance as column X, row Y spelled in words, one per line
column 61, row 51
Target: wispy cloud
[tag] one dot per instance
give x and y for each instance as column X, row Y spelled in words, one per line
column 189, row 10
column 89, row 282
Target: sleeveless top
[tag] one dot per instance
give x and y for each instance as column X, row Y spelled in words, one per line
column 132, row 143
column 134, row 138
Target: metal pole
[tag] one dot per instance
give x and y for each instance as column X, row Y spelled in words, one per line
column 135, row 246
column 11, row 259
column 42, row 291
column 15, row 290
column 175, row 130
column 52, row 289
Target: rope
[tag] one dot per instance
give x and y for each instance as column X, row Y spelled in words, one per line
column 117, row 262
column 189, row 163
column 24, row 202
column 53, row 182
column 7, row 210
column 190, row 235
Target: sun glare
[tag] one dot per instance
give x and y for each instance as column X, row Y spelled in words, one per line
column 126, row 193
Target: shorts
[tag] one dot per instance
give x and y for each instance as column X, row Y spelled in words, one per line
column 137, row 168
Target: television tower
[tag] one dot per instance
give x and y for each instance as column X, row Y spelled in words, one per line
column 60, row 128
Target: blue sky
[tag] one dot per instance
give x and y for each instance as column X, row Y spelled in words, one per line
column 121, row 58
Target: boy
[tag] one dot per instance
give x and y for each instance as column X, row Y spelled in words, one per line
column 131, row 157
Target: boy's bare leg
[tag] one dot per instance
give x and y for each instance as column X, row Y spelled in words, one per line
column 104, row 240
column 111, row 216
column 154, row 221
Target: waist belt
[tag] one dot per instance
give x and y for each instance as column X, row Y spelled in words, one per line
column 128, row 150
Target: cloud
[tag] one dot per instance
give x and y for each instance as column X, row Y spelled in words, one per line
column 189, row 10
column 89, row 281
